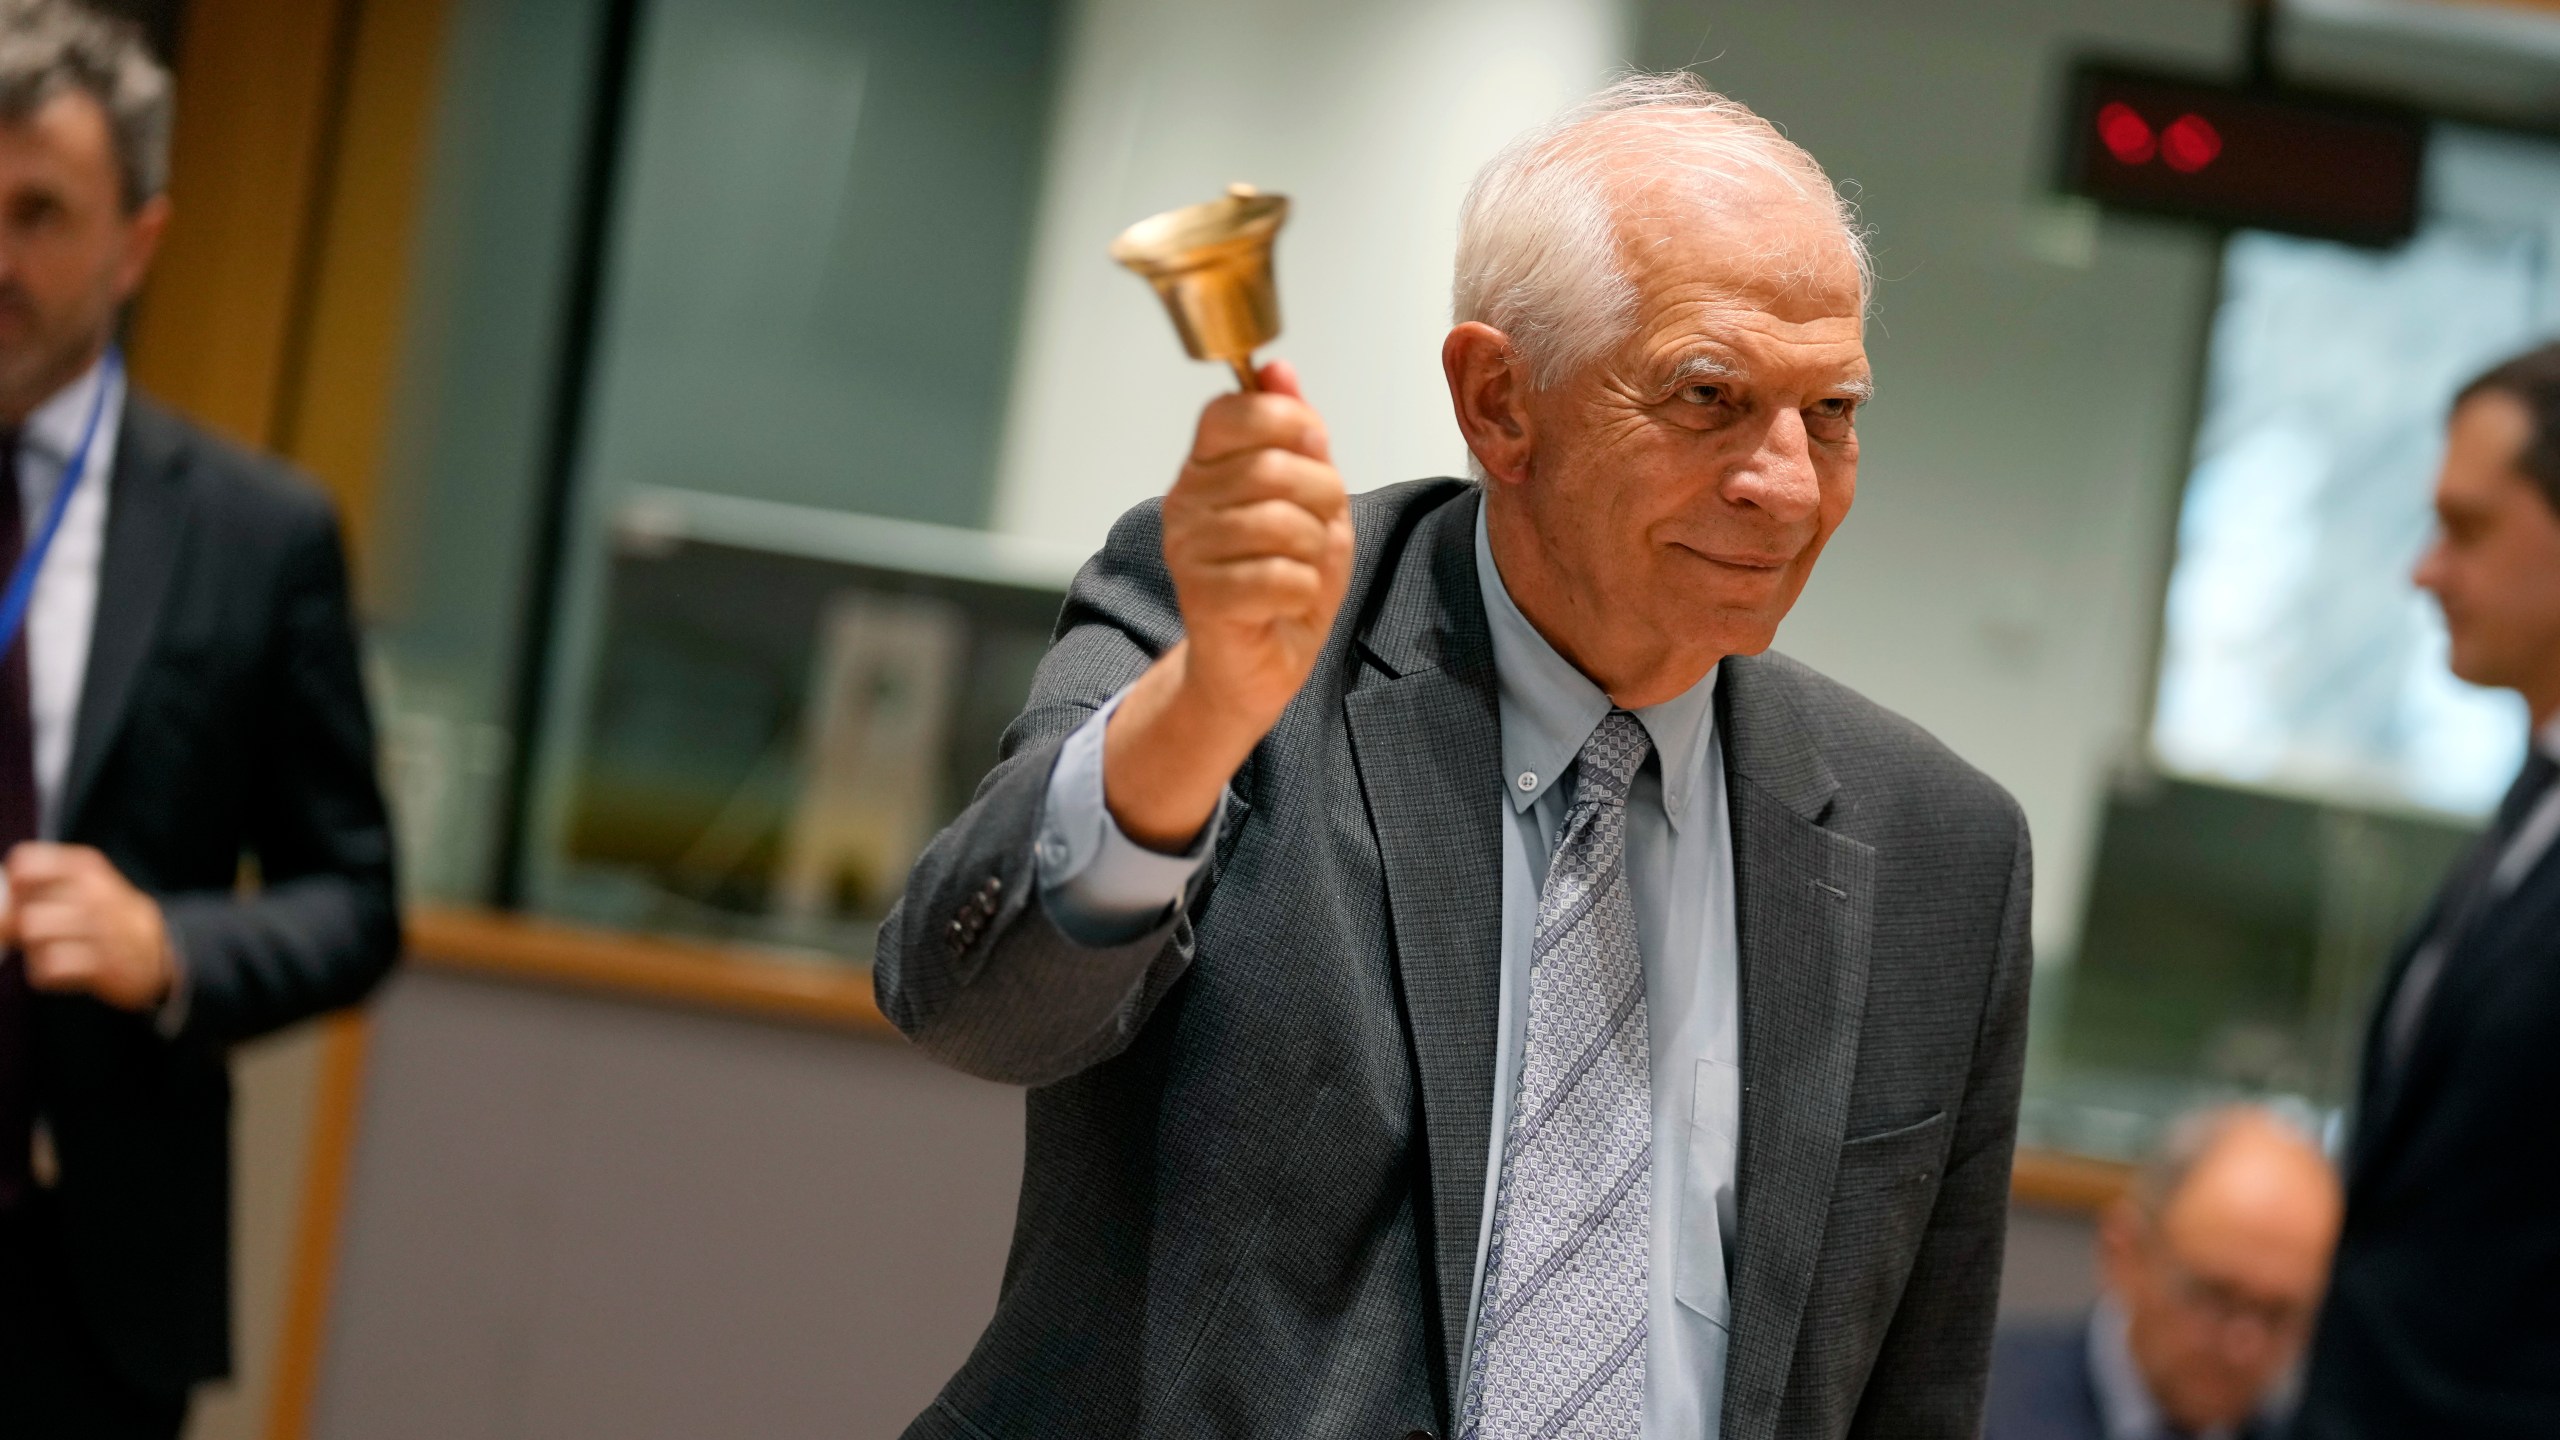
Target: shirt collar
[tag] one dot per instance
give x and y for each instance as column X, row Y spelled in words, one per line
column 1549, row 708
column 54, row 429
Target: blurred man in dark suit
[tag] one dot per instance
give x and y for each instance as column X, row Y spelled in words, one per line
column 2213, row 1269
column 179, row 694
column 2444, row 1314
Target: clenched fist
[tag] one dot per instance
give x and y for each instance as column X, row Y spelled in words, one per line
column 1257, row 535
column 82, row 926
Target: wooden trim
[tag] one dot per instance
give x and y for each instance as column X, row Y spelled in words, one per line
column 735, row 979
column 2057, row 1181
column 336, row 407
column 742, row 980
column 276, row 311
column 213, row 329
column 313, row 1278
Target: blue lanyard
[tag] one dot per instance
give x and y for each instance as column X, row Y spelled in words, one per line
column 22, row 582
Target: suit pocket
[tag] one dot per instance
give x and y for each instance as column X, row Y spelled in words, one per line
column 1700, row 1281
column 1881, row 1201
column 1897, row 1132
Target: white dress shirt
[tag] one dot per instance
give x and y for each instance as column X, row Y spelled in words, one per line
column 1100, row 887
column 64, row 607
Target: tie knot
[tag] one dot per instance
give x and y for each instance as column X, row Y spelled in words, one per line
column 1611, row 758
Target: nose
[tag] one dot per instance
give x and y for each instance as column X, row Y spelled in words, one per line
column 1778, row 477
column 2429, row 572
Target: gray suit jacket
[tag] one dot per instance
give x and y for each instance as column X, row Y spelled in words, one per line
column 1257, row 1136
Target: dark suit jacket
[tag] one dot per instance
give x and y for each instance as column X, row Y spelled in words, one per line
column 2040, row 1384
column 222, row 719
column 1257, row 1135
column 2443, row 1316
column 2041, row 1387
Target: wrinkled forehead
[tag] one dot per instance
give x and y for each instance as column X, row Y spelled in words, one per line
column 1774, row 253
column 1754, row 231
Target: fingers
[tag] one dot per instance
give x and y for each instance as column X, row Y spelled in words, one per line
column 1266, row 420
column 36, row 862
column 43, row 923
column 1256, row 591
column 1280, row 529
column 1268, row 474
column 65, row 966
column 1280, row 378
column 40, row 862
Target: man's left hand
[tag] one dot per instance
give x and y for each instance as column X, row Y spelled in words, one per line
column 84, row 928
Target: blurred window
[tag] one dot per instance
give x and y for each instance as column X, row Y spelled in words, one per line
column 2296, row 654
column 784, row 652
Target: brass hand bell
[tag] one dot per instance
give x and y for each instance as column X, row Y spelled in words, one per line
column 1211, row 265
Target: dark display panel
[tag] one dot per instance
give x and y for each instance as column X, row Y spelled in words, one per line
column 2278, row 160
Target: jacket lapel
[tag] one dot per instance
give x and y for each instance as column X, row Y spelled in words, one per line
column 1805, row 899
column 1425, row 727
column 146, row 521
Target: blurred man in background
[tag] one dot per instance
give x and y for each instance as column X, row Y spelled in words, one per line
column 2212, row 1268
column 2444, row 1314
column 178, row 696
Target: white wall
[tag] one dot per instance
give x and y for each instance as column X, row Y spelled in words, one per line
column 1372, row 117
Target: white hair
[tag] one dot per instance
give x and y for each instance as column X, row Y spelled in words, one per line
column 1539, row 235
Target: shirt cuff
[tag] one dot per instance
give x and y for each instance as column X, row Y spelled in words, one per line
column 1101, row 887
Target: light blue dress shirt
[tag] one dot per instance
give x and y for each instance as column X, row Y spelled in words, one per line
column 1101, row 887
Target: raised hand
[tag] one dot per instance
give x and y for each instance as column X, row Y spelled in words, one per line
column 1257, row 535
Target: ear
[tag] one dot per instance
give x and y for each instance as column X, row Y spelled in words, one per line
column 1489, row 389
column 142, row 243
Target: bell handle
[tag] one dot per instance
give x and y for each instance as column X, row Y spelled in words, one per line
column 1245, row 381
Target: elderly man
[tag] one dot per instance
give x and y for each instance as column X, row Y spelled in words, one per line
column 2444, row 1313
column 179, row 695
column 1466, row 987
column 2213, row 1268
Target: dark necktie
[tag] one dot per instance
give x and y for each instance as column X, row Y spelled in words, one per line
column 2470, row 896
column 17, row 822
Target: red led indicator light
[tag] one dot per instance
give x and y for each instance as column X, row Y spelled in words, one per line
column 2128, row 136
column 2190, row 144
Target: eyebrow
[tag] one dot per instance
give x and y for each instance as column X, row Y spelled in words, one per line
column 1709, row 367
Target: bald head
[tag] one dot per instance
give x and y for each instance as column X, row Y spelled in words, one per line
column 2219, row 1258
column 2258, row 1183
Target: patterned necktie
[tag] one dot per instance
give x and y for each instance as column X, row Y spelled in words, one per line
column 1560, row 1328
column 17, row 822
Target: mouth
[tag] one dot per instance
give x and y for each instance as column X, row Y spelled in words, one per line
column 1751, row 561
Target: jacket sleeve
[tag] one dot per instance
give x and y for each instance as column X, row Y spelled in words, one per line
column 970, row 963
column 1929, row 1377
column 322, row 926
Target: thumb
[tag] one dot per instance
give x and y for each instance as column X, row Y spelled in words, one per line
column 1280, row 378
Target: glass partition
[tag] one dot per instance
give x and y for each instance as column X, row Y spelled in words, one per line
column 2317, row 769
column 781, row 654
column 787, row 705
